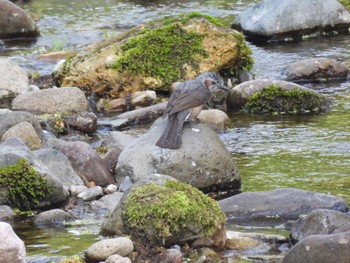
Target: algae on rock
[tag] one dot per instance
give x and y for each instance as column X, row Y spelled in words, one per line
column 24, row 188
column 171, row 214
column 156, row 54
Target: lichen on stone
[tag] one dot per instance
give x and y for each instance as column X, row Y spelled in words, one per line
column 170, row 211
column 24, row 187
column 278, row 100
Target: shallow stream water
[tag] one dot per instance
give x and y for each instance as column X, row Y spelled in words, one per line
column 308, row 152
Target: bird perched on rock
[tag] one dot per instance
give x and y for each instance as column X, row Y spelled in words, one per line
column 183, row 104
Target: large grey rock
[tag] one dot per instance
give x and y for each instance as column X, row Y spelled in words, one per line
column 85, row 122
column 25, row 131
column 64, row 100
column 12, row 77
column 56, row 161
column 12, row 248
column 6, row 213
column 315, row 69
column 86, row 162
column 278, row 205
column 202, row 160
column 13, row 149
column 280, row 19
column 321, row 249
column 320, row 222
column 15, row 22
column 91, row 193
column 101, row 250
column 10, row 119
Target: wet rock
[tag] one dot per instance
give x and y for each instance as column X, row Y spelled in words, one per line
column 321, row 249
column 91, row 193
column 278, row 205
column 111, row 158
column 315, row 69
column 144, row 114
column 173, row 256
column 276, row 96
column 12, row 248
column 320, row 222
column 25, row 131
column 202, row 160
column 77, row 189
column 64, row 100
column 85, row 122
column 117, row 140
column 103, row 70
column 6, row 213
column 52, row 217
column 86, row 162
column 15, row 22
column 286, row 19
column 110, row 189
column 116, row 104
column 12, row 118
column 216, row 119
column 111, row 200
column 117, row 259
column 56, row 161
column 13, row 149
column 204, row 255
column 114, row 122
column 190, row 213
column 101, row 250
column 14, row 80
column 250, row 243
column 143, row 98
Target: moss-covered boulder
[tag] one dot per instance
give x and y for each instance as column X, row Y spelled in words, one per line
column 162, row 211
column 277, row 97
column 154, row 55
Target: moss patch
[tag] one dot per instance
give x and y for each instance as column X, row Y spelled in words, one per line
column 24, row 187
column 282, row 101
column 161, row 53
column 169, row 210
column 245, row 60
column 346, row 4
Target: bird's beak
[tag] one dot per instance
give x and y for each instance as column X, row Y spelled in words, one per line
column 224, row 88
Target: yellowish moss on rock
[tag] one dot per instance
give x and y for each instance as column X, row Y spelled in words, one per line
column 171, row 214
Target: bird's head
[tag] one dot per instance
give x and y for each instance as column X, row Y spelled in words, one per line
column 213, row 81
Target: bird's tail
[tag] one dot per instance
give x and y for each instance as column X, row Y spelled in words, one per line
column 171, row 137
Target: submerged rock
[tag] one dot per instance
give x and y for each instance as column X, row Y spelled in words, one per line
column 278, row 20
column 154, row 55
column 278, row 205
column 315, row 69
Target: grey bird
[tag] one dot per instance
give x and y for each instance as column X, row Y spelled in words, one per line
column 183, row 104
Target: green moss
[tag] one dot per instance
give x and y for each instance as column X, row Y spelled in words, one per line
column 245, row 59
column 24, row 187
column 209, row 18
column 346, row 4
column 171, row 47
column 170, row 209
column 282, row 101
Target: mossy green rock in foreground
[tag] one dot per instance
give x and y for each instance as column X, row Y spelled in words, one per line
column 24, row 188
column 154, row 55
column 168, row 214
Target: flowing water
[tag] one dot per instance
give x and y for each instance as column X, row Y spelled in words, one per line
column 308, row 152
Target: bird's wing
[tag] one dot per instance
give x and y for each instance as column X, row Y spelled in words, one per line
column 187, row 95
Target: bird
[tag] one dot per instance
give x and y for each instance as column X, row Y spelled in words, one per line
column 186, row 102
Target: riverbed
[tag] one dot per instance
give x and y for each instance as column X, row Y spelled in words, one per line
column 307, row 152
